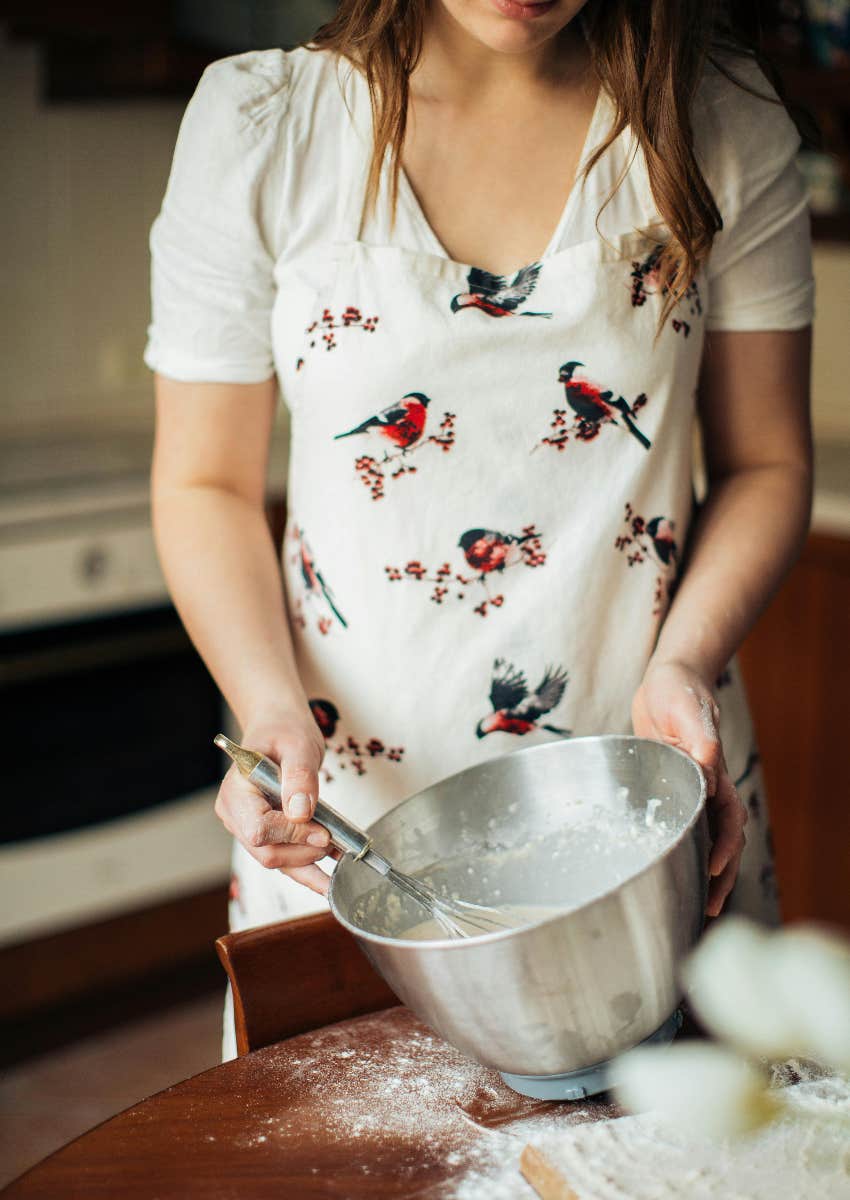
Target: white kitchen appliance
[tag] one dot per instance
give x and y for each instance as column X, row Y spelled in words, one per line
column 95, row 671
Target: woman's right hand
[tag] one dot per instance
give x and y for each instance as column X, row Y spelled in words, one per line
column 288, row 840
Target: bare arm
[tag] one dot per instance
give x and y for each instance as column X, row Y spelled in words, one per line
column 754, row 412
column 208, row 488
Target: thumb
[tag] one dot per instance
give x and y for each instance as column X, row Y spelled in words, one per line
column 300, row 757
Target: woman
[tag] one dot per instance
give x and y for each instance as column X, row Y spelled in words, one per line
column 492, row 373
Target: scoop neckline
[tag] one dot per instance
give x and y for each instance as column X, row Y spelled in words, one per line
column 563, row 223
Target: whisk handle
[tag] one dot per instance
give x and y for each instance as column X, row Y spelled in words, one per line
column 345, row 836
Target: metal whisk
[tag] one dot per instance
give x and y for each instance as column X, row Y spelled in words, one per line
column 459, row 918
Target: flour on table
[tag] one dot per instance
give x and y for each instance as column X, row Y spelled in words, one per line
column 805, row 1155
column 401, row 1112
column 395, row 1104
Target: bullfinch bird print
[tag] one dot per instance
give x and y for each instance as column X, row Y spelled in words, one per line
column 646, row 280
column 517, row 711
column 314, row 584
column 594, row 407
column 326, row 716
column 645, row 274
column 498, row 296
column 660, row 529
column 398, row 426
column 486, row 550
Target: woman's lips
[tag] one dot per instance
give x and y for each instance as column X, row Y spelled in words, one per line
column 523, row 12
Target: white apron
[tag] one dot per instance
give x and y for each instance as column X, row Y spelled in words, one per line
column 489, row 492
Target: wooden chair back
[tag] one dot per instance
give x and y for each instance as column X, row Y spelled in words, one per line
column 297, row 975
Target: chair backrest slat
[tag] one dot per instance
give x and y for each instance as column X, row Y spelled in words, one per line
column 297, row 975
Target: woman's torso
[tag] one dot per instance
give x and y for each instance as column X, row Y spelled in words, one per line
column 419, row 654
column 500, row 577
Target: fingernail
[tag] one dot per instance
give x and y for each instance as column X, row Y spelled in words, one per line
column 318, row 839
column 299, row 805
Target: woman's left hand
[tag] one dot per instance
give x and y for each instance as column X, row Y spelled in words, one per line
column 675, row 705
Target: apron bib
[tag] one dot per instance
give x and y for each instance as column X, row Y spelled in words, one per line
column 489, row 492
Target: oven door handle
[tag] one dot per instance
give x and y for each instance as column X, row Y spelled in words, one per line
column 104, row 651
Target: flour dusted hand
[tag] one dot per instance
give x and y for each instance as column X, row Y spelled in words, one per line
column 287, row 840
column 674, row 705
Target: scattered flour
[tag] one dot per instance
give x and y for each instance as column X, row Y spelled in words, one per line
column 709, row 715
column 383, row 1099
column 388, row 1098
column 805, row 1155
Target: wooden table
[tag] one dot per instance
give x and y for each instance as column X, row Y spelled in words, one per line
column 375, row 1106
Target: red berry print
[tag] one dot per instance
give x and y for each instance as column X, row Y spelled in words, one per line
column 321, row 331
column 315, row 592
column 646, row 281
column 589, row 409
column 651, row 541
column 487, row 553
column 348, row 753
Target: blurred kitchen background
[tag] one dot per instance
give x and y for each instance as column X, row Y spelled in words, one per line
column 113, row 868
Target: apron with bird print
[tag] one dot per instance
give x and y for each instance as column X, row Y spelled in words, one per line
column 490, row 486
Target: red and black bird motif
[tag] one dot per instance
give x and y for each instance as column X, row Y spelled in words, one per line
column 326, row 716
column 644, row 541
column 657, row 533
column 497, row 295
column 489, row 553
column 660, row 530
column 595, row 408
column 399, row 425
column 314, row 584
column 486, row 550
column 645, row 276
column 515, row 709
column 646, row 281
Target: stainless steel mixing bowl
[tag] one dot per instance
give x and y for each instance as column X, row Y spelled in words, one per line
column 573, row 989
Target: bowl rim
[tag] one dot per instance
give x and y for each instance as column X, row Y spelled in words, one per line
column 415, row 945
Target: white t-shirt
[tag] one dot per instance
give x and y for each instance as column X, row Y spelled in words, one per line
column 255, row 181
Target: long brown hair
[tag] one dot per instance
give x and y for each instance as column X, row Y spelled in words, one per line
column 648, row 55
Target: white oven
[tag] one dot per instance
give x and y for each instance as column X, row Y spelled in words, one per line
column 108, row 714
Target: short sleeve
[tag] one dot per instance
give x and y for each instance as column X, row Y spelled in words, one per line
column 212, row 261
column 759, row 271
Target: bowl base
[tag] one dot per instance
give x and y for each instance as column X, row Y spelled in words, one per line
column 587, row 1081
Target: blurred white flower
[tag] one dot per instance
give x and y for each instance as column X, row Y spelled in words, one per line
column 812, row 979
column 730, row 985
column 704, row 1088
column 780, row 994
